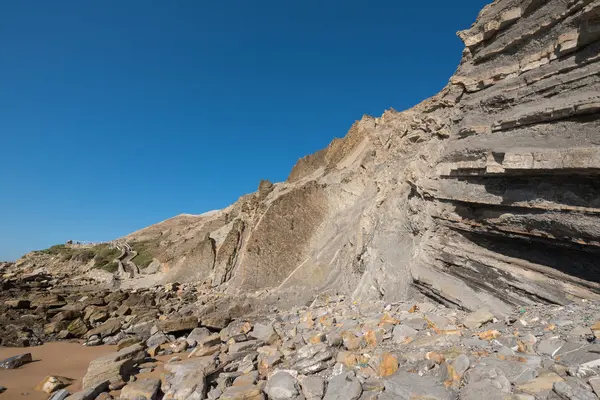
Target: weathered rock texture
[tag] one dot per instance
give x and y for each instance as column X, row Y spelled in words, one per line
column 487, row 193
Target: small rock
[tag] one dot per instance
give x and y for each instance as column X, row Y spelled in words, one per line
column 197, row 335
column 344, row 386
column 62, row 394
column 244, row 346
column 2, row 389
column 478, row 318
column 418, row 324
column 263, row 332
column 157, row 339
column 313, row 387
column 461, row 364
column 386, row 365
column 178, row 324
column 403, row 332
column 77, row 328
column 282, row 386
column 216, row 321
column 542, row 385
column 573, row 390
column 596, row 330
column 246, row 392
column 51, row 384
column 179, row 347
column 91, row 392
column 16, row 361
column 146, row 389
column 549, row 346
column 406, row 386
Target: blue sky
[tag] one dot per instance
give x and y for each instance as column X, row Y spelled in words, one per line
column 115, row 115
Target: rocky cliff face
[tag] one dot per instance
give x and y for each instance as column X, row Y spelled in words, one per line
column 487, row 193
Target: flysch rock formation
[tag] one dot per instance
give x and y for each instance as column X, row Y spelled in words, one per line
column 487, row 194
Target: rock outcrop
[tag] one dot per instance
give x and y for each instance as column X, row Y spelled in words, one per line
column 485, row 194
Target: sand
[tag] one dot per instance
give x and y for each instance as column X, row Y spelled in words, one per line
column 61, row 358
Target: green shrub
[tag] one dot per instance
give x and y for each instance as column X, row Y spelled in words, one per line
column 145, row 252
column 105, row 257
column 83, row 255
column 111, row 267
column 55, row 250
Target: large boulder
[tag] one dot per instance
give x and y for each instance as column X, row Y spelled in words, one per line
column 113, row 367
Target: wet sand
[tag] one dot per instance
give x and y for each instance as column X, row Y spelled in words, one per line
column 61, row 358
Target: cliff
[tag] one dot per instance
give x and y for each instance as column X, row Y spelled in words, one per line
column 487, row 193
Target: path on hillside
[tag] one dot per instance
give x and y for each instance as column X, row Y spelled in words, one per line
column 127, row 268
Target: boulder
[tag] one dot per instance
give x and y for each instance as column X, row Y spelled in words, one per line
column 313, row 387
column 108, row 328
column 144, row 389
column 178, row 324
column 77, row 328
column 51, row 384
column 92, row 392
column 113, row 367
column 62, row 394
column 16, row 361
column 407, row 386
column 344, row 386
column 478, row 318
column 282, row 386
column 196, row 335
column 264, row 332
column 187, row 379
column 245, row 392
column 216, row 320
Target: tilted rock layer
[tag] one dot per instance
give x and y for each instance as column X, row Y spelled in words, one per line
column 487, row 193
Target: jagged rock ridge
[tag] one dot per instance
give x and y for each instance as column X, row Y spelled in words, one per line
column 486, row 193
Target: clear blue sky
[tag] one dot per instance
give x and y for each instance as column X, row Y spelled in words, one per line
column 117, row 114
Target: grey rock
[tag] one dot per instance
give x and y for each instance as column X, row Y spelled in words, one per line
column 187, row 379
column 245, row 346
column 486, row 383
column 313, row 387
column 369, row 396
column 585, row 355
column 461, row 364
column 311, row 359
column 264, row 332
column 2, row 389
column 61, row 394
column 343, row 387
column 439, row 321
column 549, row 346
column 478, row 318
column 402, row 332
column 416, row 323
column 197, row 335
column 282, row 386
column 595, row 384
column 157, row 339
column 475, row 342
column 91, row 392
column 407, row 386
column 113, row 367
column 16, row 361
column 515, row 371
column 570, row 390
column 144, row 389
